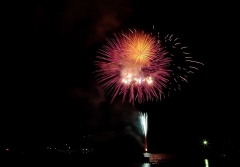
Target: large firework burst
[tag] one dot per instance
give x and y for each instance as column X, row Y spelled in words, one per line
column 141, row 67
column 134, row 65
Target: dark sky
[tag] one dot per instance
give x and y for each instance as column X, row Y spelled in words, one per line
column 50, row 93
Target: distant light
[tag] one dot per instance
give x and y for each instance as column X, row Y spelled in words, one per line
column 7, row 149
column 55, row 148
column 69, row 147
column 205, row 142
column 66, row 144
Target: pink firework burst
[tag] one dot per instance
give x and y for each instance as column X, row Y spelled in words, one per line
column 133, row 65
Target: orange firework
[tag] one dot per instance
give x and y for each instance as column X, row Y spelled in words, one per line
column 139, row 47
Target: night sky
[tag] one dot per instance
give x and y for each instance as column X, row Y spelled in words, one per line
column 49, row 91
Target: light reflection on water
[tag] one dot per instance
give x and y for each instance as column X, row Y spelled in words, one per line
column 206, row 162
column 182, row 163
column 188, row 161
column 146, row 165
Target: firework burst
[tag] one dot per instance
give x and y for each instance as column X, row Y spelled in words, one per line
column 134, row 65
column 140, row 66
column 182, row 64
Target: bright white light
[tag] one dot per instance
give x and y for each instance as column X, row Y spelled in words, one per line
column 138, row 80
column 144, row 123
column 206, row 163
column 149, row 80
column 146, row 165
column 135, row 76
column 124, row 81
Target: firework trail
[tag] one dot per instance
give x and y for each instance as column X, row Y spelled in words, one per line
column 182, row 64
column 144, row 123
column 141, row 67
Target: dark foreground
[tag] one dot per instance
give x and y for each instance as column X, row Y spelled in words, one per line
column 113, row 160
